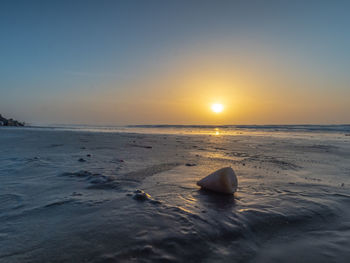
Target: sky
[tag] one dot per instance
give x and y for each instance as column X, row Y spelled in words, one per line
column 166, row 62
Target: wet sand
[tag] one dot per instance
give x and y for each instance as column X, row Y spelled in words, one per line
column 78, row 196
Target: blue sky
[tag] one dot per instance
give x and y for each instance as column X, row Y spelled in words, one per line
column 64, row 61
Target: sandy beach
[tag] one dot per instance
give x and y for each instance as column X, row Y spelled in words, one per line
column 72, row 195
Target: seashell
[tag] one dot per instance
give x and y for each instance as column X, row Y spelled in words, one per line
column 223, row 180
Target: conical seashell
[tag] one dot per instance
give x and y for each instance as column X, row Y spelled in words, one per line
column 223, row 180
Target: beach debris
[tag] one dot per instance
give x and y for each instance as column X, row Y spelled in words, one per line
column 190, row 164
column 141, row 195
column 223, row 180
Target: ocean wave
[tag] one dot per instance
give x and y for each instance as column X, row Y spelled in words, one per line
column 295, row 128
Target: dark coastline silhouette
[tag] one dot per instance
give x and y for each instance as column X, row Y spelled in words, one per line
column 9, row 122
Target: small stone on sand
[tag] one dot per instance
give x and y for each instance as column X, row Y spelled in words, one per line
column 141, row 196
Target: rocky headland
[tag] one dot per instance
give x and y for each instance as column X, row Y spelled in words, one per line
column 9, row 122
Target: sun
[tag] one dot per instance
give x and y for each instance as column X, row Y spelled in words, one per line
column 217, row 107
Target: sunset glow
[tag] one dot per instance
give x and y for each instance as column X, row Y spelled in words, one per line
column 217, row 107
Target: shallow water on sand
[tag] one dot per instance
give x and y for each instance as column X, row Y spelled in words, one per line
column 78, row 196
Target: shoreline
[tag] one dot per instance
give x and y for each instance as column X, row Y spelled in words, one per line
column 331, row 130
